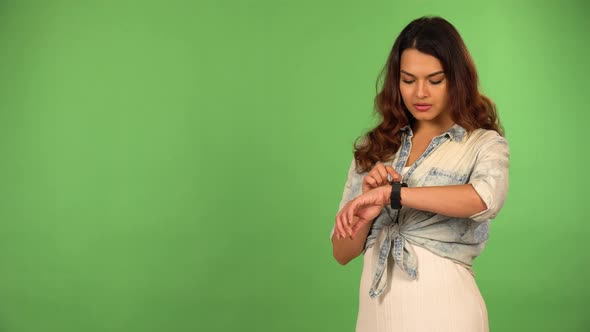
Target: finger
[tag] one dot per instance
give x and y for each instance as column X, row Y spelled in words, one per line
column 394, row 174
column 371, row 182
column 351, row 210
column 343, row 223
column 349, row 232
column 348, row 224
column 353, row 222
column 376, row 172
column 339, row 228
column 382, row 172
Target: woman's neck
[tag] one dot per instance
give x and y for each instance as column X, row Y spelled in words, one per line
column 432, row 129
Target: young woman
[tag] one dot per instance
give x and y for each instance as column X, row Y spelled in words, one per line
column 422, row 188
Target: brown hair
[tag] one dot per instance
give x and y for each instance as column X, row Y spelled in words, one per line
column 469, row 108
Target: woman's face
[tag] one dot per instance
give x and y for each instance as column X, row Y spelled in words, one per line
column 423, row 87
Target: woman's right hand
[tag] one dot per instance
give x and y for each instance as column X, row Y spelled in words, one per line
column 377, row 177
column 361, row 211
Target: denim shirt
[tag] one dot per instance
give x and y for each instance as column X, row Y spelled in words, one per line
column 480, row 158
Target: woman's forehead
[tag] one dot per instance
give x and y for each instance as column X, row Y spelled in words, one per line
column 416, row 63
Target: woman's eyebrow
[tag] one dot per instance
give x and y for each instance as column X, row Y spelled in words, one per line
column 429, row 75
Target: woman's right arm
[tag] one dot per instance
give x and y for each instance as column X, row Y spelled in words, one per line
column 344, row 248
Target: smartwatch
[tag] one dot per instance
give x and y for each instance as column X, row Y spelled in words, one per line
column 396, row 198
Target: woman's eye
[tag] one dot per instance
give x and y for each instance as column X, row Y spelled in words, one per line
column 435, row 82
column 407, row 82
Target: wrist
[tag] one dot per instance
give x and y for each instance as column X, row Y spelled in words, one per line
column 402, row 193
column 396, row 194
column 386, row 191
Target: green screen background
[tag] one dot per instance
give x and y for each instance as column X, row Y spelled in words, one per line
column 177, row 165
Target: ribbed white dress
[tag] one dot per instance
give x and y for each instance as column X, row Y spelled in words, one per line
column 444, row 298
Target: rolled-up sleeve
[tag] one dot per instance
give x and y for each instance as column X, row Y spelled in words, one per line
column 489, row 177
column 352, row 188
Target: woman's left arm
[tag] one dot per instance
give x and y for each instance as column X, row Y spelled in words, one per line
column 480, row 199
column 454, row 201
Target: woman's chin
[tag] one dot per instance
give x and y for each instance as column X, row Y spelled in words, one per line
column 424, row 116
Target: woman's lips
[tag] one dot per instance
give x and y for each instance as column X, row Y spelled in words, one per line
column 422, row 107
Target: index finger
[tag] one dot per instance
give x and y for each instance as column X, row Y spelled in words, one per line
column 394, row 174
column 381, row 169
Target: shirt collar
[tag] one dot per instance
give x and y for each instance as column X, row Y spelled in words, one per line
column 456, row 132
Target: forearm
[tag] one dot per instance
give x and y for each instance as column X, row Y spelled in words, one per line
column 454, row 201
column 347, row 249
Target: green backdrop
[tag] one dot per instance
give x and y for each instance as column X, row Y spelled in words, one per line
column 177, row 165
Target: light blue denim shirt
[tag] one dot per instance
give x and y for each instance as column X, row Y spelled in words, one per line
column 480, row 158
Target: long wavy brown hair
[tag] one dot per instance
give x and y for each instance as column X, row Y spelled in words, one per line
column 469, row 108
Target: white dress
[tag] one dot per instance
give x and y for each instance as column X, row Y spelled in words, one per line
column 444, row 298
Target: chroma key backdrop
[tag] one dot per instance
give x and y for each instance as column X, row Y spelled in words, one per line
column 177, row 165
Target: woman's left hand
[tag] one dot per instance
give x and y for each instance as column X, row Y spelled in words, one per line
column 377, row 177
column 361, row 211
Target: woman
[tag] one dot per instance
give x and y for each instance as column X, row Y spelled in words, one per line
column 422, row 188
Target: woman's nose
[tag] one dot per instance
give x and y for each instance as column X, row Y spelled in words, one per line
column 422, row 90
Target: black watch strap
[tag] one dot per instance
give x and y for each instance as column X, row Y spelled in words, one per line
column 396, row 199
